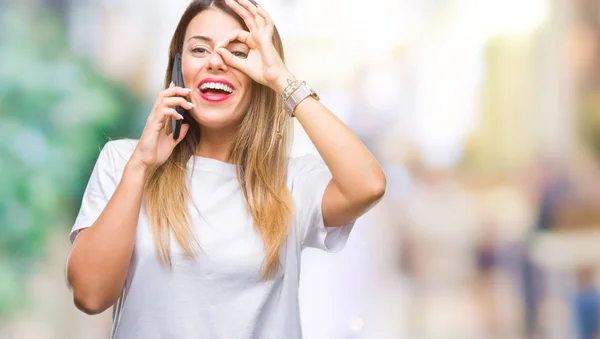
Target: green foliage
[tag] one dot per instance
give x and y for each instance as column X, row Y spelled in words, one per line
column 56, row 111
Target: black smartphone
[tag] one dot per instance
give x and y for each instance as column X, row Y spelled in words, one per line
column 177, row 78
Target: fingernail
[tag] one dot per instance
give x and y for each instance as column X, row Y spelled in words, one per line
column 171, row 84
column 188, row 89
column 189, row 103
column 180, row 117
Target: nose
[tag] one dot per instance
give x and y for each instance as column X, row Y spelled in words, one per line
column 216, row 62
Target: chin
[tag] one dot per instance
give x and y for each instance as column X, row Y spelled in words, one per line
column 216, row 118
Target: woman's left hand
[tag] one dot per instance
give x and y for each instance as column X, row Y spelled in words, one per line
column 263, row 64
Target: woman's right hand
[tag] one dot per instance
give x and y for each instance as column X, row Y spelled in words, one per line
column 155, row 146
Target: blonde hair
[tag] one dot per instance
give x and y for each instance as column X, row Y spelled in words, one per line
column 260, row 150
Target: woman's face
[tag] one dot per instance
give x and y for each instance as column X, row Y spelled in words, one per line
column 220, row 93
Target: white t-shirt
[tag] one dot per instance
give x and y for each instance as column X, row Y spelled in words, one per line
column 221, row 294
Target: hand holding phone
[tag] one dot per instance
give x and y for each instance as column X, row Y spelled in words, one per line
column 155, row 146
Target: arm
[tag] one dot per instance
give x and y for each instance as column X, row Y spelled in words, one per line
column 358, row 180
column 99, row 261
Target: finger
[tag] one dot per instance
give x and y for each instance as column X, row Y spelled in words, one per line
column 159, row 117
column 253, row 9
column 250, row 7
column 169, row 112
column 237, row 34
column 175, row 91
column 243, row 13
column 176, row 101
column 182, row 133
column 268, row 20
column 230, row 59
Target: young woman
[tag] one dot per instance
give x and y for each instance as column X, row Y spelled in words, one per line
column 200, row 237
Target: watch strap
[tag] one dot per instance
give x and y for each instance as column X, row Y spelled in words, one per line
column 297, row 92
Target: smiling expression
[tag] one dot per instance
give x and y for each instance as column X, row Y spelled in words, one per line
column 221, row 94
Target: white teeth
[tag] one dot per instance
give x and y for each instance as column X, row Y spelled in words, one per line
column 216, row 85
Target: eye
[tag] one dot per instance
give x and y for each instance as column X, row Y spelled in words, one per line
column 199, row 50
column 240, row 55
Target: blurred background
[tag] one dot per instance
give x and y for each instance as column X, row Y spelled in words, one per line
column 484, row 113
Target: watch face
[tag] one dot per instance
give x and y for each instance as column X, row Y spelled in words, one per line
column 299, row 94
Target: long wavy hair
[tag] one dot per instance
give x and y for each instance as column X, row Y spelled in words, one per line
column 259, row 150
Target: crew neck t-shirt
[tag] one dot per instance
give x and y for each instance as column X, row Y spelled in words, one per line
column 221, row 294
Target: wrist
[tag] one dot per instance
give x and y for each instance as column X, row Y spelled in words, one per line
column 282, row 82
column 137, row 169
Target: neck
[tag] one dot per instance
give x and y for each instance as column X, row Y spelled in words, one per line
column 215, row 145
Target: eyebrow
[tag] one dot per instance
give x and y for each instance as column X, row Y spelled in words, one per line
column 207, row 39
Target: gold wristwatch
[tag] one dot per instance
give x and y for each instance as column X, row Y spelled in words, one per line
column 294, row 94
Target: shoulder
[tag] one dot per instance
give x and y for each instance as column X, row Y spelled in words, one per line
column 118, row 152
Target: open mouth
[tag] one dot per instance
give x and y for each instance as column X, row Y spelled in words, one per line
column 214, row 91
column 215, row 88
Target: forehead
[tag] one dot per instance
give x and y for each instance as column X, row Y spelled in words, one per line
column 212, row 23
